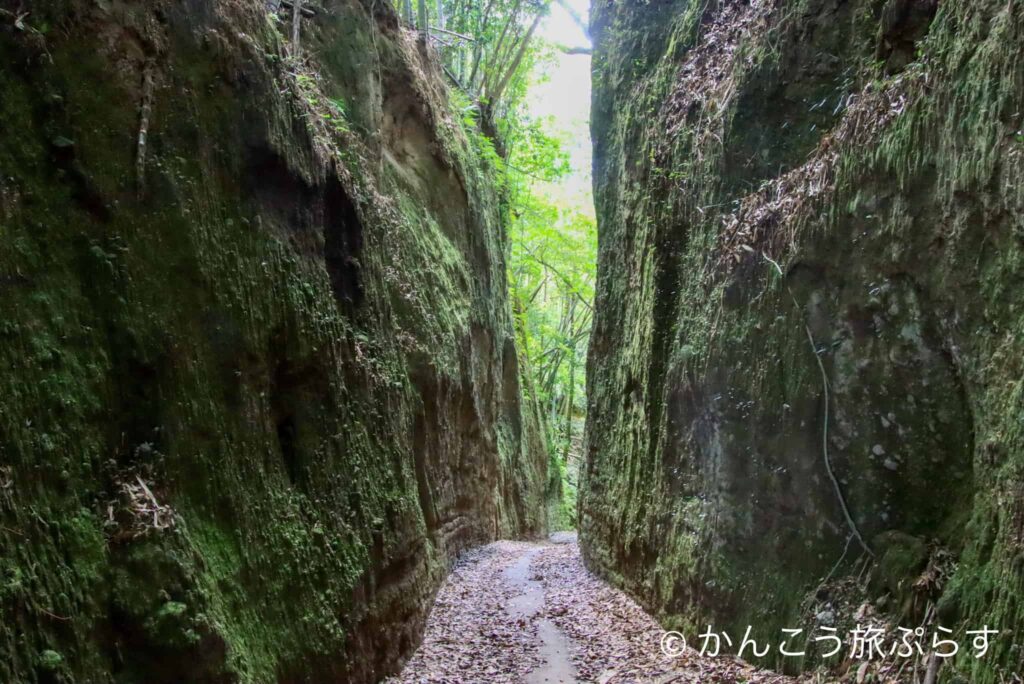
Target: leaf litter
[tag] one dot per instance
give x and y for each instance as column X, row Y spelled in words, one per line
column 475, row 634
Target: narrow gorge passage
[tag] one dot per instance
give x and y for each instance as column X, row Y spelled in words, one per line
column 529, row 612
column 319, row 317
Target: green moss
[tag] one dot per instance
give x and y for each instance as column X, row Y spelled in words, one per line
column 190, row 335
column 707, row 496
column 50, row 661
column 901, row 558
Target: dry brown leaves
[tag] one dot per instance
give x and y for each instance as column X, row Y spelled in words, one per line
column 765, row 222
column 706, row 77
column 472, row 637
column 614, row 640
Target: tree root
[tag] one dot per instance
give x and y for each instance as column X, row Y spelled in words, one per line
column 145, row 112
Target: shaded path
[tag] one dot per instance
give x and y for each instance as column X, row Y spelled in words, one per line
column 530, row 613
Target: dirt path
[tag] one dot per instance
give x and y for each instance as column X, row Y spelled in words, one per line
column 530, row 613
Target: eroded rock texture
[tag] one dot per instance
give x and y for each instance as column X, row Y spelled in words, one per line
column 259, row 379
column 799, row 200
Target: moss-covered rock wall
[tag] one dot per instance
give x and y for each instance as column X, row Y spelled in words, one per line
column 258, row 377
column 809, row 338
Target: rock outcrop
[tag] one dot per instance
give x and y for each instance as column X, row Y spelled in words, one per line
column 808, row 346
column 259, row 381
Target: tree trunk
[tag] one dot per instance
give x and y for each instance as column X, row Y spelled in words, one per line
column 296, row 27
column 496, row 95
column 568, row 410
column 486, row 76
column 478, row 54
column 424, row 25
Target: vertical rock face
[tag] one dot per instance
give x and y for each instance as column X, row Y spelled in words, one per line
column 809, row 300
column 259, row 381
